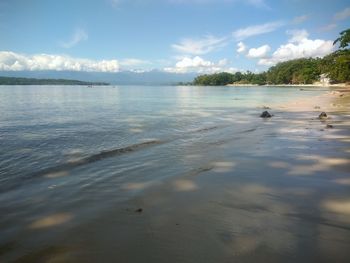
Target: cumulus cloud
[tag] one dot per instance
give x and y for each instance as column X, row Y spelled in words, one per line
column 259, row 52
column 199, row 46
column 10, row 61
column 297, row 36
column 241, row 48
column 78, row 36
column 133, row 62
column 342, row 14
column 199, row 65
column 255, row 30
column 299, row 46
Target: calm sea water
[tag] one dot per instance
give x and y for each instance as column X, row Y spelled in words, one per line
column 77, row 152
column 42, row 127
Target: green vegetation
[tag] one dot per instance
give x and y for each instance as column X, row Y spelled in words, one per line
column 344, row 39
column 32, row 81
column 336, row 66
column 224, row 78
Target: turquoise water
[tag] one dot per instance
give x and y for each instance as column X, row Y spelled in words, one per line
column 69, row 155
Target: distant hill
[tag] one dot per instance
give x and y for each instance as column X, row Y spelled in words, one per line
column 154, row 77
column 34, row 81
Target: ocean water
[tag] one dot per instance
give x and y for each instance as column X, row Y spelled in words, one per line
column 43, row 127
column 71, row 155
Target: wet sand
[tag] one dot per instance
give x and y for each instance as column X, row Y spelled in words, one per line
column 277, row 193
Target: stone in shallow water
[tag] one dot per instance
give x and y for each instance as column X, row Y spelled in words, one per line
column 323, row 115
column 265, row 114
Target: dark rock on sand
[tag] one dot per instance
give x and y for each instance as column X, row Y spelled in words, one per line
column 265, row 114
column 323, row 115
column 317, row 107
column 139, row 210
column 329, row 126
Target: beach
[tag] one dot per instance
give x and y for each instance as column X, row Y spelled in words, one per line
column 216, row 184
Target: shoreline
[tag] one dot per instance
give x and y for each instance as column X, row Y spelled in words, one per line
column 339, row 85
column 332, row 100
column 242, row 189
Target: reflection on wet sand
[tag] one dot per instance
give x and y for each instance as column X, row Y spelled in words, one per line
column 338, row 206
column 51, row 220
column 185, row 185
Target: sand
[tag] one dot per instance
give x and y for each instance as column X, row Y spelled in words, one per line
column 278, row 193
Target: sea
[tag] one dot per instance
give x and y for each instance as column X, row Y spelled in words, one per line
column 99, row 174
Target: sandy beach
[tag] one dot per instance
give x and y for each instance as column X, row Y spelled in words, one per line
column 281, row 195
column 270, row 190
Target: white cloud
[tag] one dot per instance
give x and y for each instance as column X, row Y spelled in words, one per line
column 328, row 27
column 133, row 62
column 241, row 47
column 200, row 46
column 199, row 65
column 10, row 61
column 299, row 46
column 78, row 36
column 259, row 52
column 342, row 14
column 255, row 30
column 297, row 35
column 300, row 19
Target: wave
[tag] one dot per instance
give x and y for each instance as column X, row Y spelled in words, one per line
column 95, row 157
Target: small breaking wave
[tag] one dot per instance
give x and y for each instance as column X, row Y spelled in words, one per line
column 96, row 157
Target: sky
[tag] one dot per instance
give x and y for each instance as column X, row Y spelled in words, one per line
column 179, row 36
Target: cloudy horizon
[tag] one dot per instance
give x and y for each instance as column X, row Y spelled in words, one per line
column 200, row 36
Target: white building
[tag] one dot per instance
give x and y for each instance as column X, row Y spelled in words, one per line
column 325, row 80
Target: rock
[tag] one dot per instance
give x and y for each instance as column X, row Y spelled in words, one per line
column 265, row 114
column 139, row 210
column 323, row 115
column 329, row 126
column 317, row 107
column 341, row 95
column 266, row 108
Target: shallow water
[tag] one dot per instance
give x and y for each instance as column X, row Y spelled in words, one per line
column 215, row 182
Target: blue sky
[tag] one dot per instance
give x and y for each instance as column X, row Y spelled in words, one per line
column 171, row 35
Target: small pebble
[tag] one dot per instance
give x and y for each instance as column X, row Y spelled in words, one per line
column 139, row 210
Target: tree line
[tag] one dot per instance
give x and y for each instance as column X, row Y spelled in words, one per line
column 336, row 66
column 33, row 81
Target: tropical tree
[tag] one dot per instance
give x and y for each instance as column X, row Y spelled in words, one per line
column 344, row 39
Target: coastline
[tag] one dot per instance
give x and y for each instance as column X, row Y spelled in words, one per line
column 339, row 85
column 334, row 100
column 265, row 196
column 263, row 190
